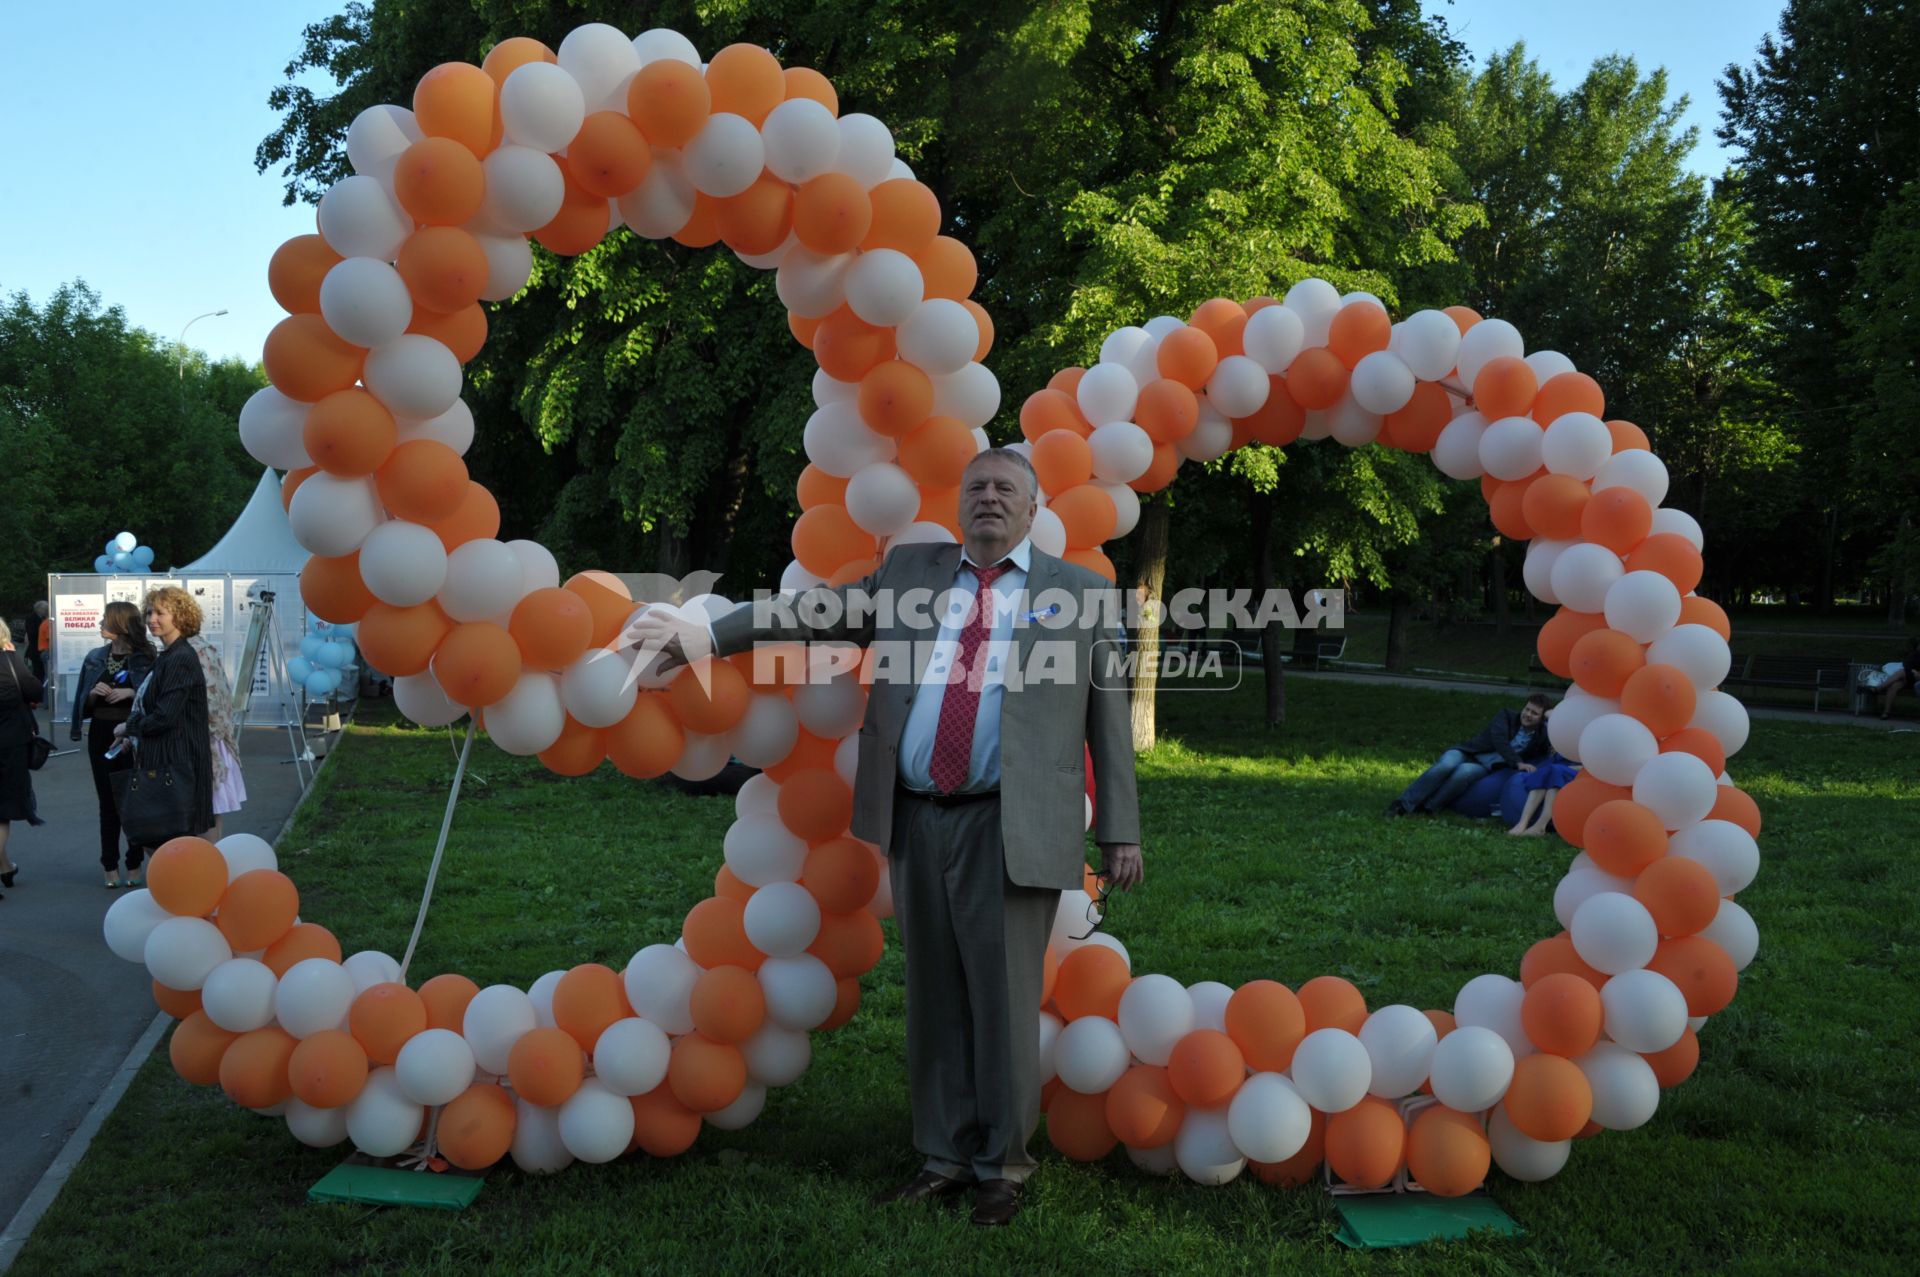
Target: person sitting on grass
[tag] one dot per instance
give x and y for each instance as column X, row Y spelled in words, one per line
column 1540, row 785
column 1511, row 738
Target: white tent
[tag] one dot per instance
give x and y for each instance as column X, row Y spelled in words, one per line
column 257, row 554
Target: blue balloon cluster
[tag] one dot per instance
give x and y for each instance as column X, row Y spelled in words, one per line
column 324, row 657
column 124, row 554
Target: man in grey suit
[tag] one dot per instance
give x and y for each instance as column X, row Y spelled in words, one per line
column 972, row 779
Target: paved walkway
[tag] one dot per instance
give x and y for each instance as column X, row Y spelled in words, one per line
column 69, row 1009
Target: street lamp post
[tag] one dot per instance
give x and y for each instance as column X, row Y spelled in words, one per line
column 181, row 370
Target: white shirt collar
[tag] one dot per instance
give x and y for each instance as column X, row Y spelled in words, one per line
column 1021, row 556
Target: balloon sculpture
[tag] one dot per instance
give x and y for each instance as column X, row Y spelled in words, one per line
column 324, row 656
column 590, row 1063
column 124, row 553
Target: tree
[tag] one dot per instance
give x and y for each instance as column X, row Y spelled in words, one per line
column 1884, row 336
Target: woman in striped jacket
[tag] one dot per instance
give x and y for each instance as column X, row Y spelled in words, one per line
column 169, row 717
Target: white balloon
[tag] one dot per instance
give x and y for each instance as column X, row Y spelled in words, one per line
column 598, row 688
column 434, row 1067
column 1266, row 1119
column 1725, row 717
column 316, row 1128
column 509, row 264
column 1548, row 364
column 1155, row 1013
column 1696, row 651
column 940, row 337
column 703, row 757
column 1382, row 383
column 1162, row 1160
column 1048, row 533
column 525, row 188
column 1399, row 1040
column 414, row 375
column 1428, row 342
column 662, row 44
column 631, row 1056
column 370, row 967
column 1521, row 1156
column 884, row 287
column 454, row 427
column 1727, row 850
column 1614, row 747
column 497, row 1017
column 1273, row 337
column 1351, row 425
column 403, row 564
column 1205, row 1149
column 659, row 982
column 1510, row 448
column 601, row 59
column 1644, row 1010
column 1456, row 453
column 1210, row 999
column 1090, row 1055
column 530, row 718
column 1126, row 507
column 1642, row 605
column 1331, row 1070
column 1238, row 387
column 1625, row 1091
column 182, row 952
column 1486, row 341
column 1732, row 929
column 1637, row 469
column 376, row 139
column 777, row 1056
column 1493, row 1002
column 1678, row 788
column 359, row 219
column 331, row 516
column 725, row 157
column 782, row 919
column 1210, row 437
column 1122, row 452
column 1581, row 884
column 238, row 995
column 802, row 139
column 766, row 733
column 596, row 1123
column 271, row 427
column 1472, row 1067
column 663, row 203
column 1107, row 392
column 381, row 1120
column 542, row 106
column 1679, row 523
column 541, row 993
column 839, row 442
column 421, row 698
column 537, row 1146
column 813, row 286
column 1584, row 573
column 365, row 302
column 130, row 921
column 1537, row 569
column 745, row 1108
column 246, row 852
column 1577, row 444
column 482, row 581
column 1122, row 344
column 800, row 991
column 1612, row 932
column 761, row 850
column 313, row 996
column 866, row 149
column 1050, row 1026
column 1316, row 302
column 1571, row 717
column 882, row 498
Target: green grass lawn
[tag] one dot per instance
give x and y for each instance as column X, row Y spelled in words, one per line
column 1791, row 1150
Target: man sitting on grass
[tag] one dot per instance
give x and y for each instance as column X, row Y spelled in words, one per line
column 1512, row 738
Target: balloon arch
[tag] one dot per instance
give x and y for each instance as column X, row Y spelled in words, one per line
column 592, row 1063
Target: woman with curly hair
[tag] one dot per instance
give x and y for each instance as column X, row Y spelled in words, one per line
column 169, row 715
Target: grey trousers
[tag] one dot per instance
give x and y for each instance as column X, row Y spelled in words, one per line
column 975, row 944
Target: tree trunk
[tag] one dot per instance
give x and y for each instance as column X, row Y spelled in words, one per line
column 1497, row 572
column 1399, row 612
column 1151, row 580
column 1824, row 604
column 1271, row 634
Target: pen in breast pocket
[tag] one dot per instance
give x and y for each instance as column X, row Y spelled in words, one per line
column 1051, row 609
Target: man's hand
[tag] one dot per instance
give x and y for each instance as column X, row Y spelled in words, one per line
column 1120, row 864
column 1526, row 767
column 119, row 730
column 678, row 640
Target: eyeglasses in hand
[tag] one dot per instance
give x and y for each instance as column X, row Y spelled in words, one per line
column 1097, row 910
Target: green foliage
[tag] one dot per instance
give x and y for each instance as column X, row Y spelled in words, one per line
column 104, row 428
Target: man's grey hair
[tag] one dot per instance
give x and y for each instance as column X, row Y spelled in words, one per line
column 1016, row 458
column 40, row 608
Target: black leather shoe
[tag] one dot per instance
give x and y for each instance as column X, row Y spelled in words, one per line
column 997, row 1202
column 925, row 1186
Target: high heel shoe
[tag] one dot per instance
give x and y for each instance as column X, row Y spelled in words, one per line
column 6, row 879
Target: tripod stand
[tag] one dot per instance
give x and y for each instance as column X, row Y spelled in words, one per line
column 262, row 630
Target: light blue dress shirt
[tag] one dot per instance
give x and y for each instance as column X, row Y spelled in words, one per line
column 923, row 718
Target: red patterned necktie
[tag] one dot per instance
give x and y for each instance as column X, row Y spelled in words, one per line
column 953, row 738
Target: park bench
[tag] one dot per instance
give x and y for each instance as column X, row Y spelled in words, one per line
column 1312, row 648
column 1816, row 674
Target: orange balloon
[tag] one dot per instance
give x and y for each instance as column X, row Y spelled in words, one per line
column 817, row 487
column 1508, row 508
column 477, row 664
column 1224, row 320
column 546, row 1066
column 842, row 875
column 1603, row 660
column 188, row 877
column 1187, row 356
column 947, row 268
column 1699, row 742
column 746, row 80
column 196, row 1048
column 934, row 454
column 848, row 347
column 253, row 1070
column 849, row 943
column 1067, row 380
column 1464, row 317
column 662, row 1126
column 1736, row 805
column 1143, row 1110
column 1302, row 1167
column 1505, row 387
column 816, row 805
column 846, row 1001
column 1578, row 799
column 853, row 570
column 1549, row 1098
column 1166, row 462
column 832, row 214
column 1623, row 837
column 583, row 220
column 1447, row 1152
column 295, row 272
column 1561, row 1014
column 984, row 322
column 805, row 82
column 609, row 156
column 258, row 909
column 384, row 1018
column 1048, row 410
column 1063, row 459
column 1316, row 378
column 1555, row 504
column 332, row 589
column 445, row 998
column 1676, row 1064
column 1087, row 513
column 327, row 1069
column 1568, row 392
column 1077, row 1124
column 508, row 56
column 705, row 1075
column 306, row 360
column 460, row 101
column 422, row 481
column 439, row 182
column 1695, row 610
column 178, row 1003
column 1417, row 426
column 941, row 506
column 1367, row 1143
column 307, row 940
column 648, row 740
column 476, row 519
column 463, row 331
column 476, row 1128
column 1358, row 330
column 716, row 935
column 1442, row 1021
column 349, row 433
column 1090, row 982
column 826, row 536
column 1700, row 969
column 1265, row 1020
column 1618, row 518
column 725, row 884
column 587, row 999
column 445, row 268
column 709, row 696
column 1278, row 421
column 402, row 640
column 1167, row 410
column 1328, row 1002
column 670, row 101
column 895, row 397
column 906, row 217
column 1660, row 696
column 1562, row 630
column 552, row 628
column 1672, row 556
column 703, row 227
column 1206, row 1068
column 1093, row 561
column 610, row 607
column 579, row 751
column 1681, row 894
column 728, row 1004
column 1627, row 437
column 1556, row 955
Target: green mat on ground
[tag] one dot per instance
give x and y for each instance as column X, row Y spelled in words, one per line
column 1408, row 1219
column 362, row 1181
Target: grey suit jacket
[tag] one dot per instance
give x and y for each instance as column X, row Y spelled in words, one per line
column 1051, row 719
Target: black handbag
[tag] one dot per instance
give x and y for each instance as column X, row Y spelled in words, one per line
column 156, row 803
column 39, row 748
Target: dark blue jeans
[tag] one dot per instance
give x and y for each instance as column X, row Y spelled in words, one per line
column 1436, row 788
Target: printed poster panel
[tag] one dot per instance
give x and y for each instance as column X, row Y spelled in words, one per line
column 121, row 589
column 211, row 595
column 76, row 628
